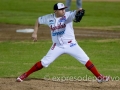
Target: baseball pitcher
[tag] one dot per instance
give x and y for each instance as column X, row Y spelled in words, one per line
column 63, row 38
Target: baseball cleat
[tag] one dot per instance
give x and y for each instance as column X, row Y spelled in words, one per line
column 21, row 78
column 103, row 79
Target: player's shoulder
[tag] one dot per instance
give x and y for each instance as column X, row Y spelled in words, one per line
column 48, row 15
column 46, row 19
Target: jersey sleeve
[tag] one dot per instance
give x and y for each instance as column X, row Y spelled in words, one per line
column 43, row 20
column 71, row 15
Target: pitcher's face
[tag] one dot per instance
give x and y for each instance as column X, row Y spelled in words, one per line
column 60, row 12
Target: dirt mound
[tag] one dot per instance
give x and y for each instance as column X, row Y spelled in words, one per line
column 39, row 84
column 8, row 32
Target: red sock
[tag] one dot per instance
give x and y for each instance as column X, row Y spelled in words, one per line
column 92, row 68
column 36, row 67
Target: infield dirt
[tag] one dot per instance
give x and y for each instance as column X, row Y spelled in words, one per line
column 8, row 32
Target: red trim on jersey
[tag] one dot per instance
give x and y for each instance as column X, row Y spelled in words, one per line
column 53, row 46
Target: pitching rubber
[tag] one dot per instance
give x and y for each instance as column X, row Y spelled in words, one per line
column 25, row 30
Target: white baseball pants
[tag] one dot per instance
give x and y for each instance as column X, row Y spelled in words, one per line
column 71, row 48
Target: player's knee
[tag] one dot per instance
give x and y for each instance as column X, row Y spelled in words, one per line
column 84, row 60
column 46, row 61
column 44, row 64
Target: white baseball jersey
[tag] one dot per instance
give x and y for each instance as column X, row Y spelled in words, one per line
column 61, row 28
column 63, row 38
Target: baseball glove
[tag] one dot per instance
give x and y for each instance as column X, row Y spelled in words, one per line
column 79, row 15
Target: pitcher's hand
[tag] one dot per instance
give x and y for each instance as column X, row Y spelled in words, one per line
column 34, row 37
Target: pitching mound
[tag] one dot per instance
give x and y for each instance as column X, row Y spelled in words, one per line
column 39, row 84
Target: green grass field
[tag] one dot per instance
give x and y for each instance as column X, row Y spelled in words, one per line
column 98, row 14
column 17, row 57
